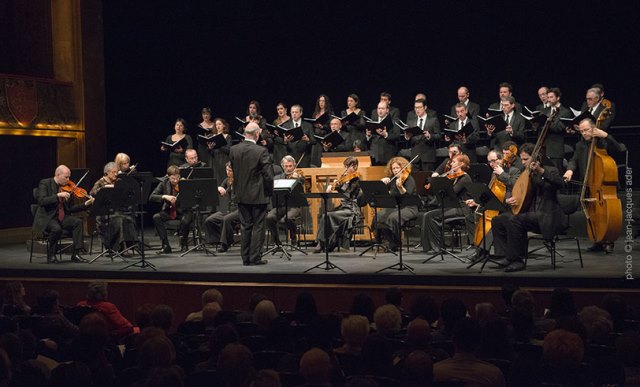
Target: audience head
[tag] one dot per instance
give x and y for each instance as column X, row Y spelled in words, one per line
column 377, row 354
column 209, row 313
column 266, row 378
column 14, row 294
column 508, row 289
column 305, row 309
column 5, row 369
column 363, row 305
column 452, row 310
column 417, row 368
column 485, row 311
column 264, row 313
column 523, row 301
column 562, row 304
column 418, row 333
column 95, row 325
column 425, row 307
column 315, row 367
column 597, row 322
column 393, row 296
column 97, row 291
column 354, row 330
column 222, row 336
column 48, row 302
column 156, row 351
column 235, row 364
column 388, row 319
column 72, row 374
column 466, row 335
column 142, row 316
column 212, row 295
column 162, row 317
column 562, row 349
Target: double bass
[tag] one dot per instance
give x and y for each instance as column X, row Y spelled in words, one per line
column 598, row 197
column 523, row 188
column 499, row 189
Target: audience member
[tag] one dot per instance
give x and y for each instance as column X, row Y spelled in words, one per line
column 562, row 304
column 417, row 369
column 209, row 295
column 354, row 330
column 451, row 311
column 305, row 309
column 464, row 365
column 235, row 365
column 425, row 307
column 97, row 298
column 388, row 320
column 13, row 300
column 315, row 368
column 363, row 305
column 264, row 313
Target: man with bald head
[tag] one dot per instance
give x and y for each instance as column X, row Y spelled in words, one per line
column 473, row 109
column 253, row 185
column 191, row 158
column 54, row 213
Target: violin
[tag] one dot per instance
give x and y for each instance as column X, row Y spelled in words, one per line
column 455, row 175
column 74, row 190
column 345, row 178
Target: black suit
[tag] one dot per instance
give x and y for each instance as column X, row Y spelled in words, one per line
column 423, row 147
column 517, row 123
column 161, row 218
column 578, row 162
column 544, row 216
column 46, row 217
column 345, row 146
column 394, row 112
column 411, row 115
column 383, row 149
column 606, row 123
column 498, row 106
column 295, row 148
column 253, row 185
column 469, row 146
column 473, row 109
column 554, row 143
column 277, row 215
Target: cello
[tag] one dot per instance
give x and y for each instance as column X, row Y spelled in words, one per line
column 523, row 188
column 499, row 189
column 598, row 197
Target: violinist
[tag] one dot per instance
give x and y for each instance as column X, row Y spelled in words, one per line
column 544, row 214
column 54, row 212
column 221, row 225
column 399, row 182
column 578, row 163
column 123, row 164
column 166, row 192
column 445, row 166
column 120, row 228
column 342, row 218
column 431, row 232
column 277, row 215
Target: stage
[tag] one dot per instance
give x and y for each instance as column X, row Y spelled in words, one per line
column 600, row 270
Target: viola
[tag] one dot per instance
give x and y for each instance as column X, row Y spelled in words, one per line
column 455, row 175
column 74, row 190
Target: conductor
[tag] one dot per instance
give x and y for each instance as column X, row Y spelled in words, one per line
column 253, row 185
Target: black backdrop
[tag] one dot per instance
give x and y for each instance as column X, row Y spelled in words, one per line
column 168, row 59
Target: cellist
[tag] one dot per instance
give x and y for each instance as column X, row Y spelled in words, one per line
column 544, row 215
column 578, row 163
column 504, row 176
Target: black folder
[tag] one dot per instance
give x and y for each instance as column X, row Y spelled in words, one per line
column 497, row 121
column 178, row 144
column 322, row 119
column 218, row 139
column 384, row 123
column 334, row 138
column 467, row 129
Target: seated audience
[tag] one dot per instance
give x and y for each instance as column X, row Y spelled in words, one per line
column 97, row 299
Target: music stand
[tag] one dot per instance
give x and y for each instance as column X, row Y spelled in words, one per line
column 372, row 191
column 196, row 173
column 443, row 188
column 134, row 189
column 480, row 173
column 326, row 264
column 196, row 194
column 104, row 206
column 289, row 192
column 397, row 201
column 486, row 200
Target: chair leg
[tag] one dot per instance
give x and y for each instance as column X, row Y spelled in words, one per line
column 31, row 251
column 553, row 253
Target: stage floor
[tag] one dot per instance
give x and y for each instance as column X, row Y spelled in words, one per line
column 600, row 270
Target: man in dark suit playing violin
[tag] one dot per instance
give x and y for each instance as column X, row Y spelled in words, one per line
column 277, row 214
column 54, row 212
column 166, row 192
column 544, row 215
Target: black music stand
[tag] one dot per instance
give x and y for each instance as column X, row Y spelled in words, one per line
column 289, row 192
column 397, row 201
column 486, row 200
column 194, row 195
column 326, row 264
column 134, row 188
column 196, row 173
column 480, row 173
column 104, row 205
column 443, row 189
column 372, row 191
